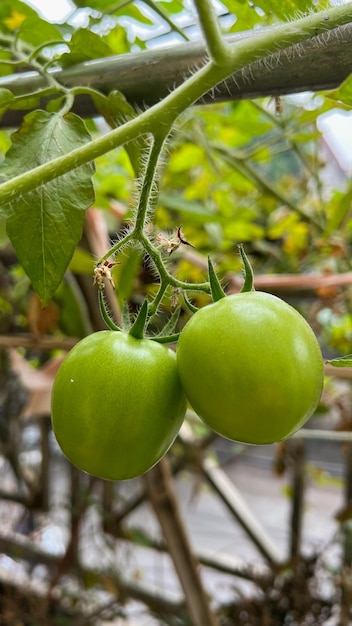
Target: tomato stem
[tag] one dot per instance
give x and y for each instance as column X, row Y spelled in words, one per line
column 188, row 303
column 104, row 312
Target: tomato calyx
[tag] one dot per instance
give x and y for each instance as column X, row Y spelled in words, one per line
column 217, row 291
column 248, row 271
column 138, row 328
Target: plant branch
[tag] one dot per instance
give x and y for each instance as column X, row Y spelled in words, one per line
column 164, row 113
column 217, row 47
column 165, row 276
column 166, row 17
column 148, row 184
column 146, row 77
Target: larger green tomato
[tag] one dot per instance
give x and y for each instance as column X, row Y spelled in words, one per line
column 117, row 404
column 251, row 367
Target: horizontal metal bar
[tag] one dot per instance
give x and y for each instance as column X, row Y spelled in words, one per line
column 146, row 77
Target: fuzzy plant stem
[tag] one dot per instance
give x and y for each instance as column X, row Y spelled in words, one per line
column 164, row 113
column 149, row 185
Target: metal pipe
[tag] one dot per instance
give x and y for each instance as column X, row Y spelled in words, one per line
column 146, row 77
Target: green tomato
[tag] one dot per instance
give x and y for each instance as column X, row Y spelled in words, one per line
column 251, row 367
column 117, row 404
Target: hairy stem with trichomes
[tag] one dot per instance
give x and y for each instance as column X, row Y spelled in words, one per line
column 226, row 60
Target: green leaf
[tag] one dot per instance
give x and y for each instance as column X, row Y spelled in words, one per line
column 117, row 40
column 285, row 10
column 135, row 13
column 6, row 100
column 108, row 6
column 85, row 45
column 342, row 361
column 127, row 273
column 337, row 212
column 74, row 318
column 172, row 6
column 6, row 69
column 196, row 210
column 82, row 262
column 25, row 103
column 117, row 111
column 187, row 156
column 343, row 93
column 45, row 225
column 13, row 13
column 36, row 31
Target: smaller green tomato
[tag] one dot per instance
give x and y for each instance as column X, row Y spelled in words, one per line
column 251, row 367
column 117, row 404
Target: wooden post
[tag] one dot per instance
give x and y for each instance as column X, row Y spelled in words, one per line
column 160, row 488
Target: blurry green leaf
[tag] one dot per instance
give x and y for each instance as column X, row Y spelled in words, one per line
column 126, row 273
column 82, row 262
column 55, row 104
column 343, row 93
column 193, row 209
column 286, row 10
column 342, row 361
column 109, row 6
column 27, row 103
column 85, row 45
column 117, row 111
column 5, row 68
column 117, row 40
column 239, row 230
column 36, row 31
column 337, row 212
column 45, row 224
column 6, row 100
column 188, row 156
column 246, row 15
column 173, row 6
column 135, row 13
column 98, row 5
column 13, row 13
column 5, row 143
column 74, row 316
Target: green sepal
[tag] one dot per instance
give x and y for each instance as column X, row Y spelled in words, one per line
column 248, row 271
column 217, row 291
column 189, row 304
column 170, row 325
column 138, row 327
column 341, row 361
column 104, row 312
column 166, row 338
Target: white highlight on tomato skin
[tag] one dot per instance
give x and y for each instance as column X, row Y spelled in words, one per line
column 72, row 380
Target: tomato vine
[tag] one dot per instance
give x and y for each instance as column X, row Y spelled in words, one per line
column 71, row 150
